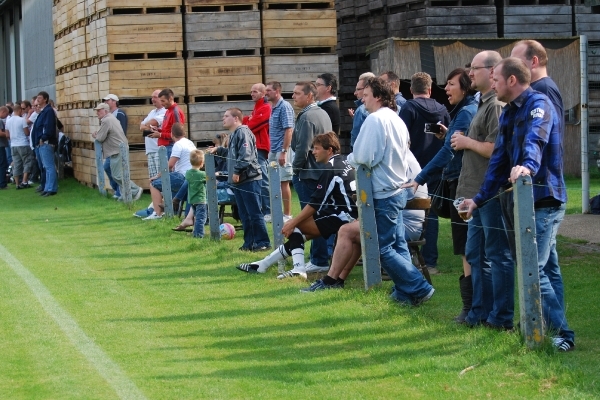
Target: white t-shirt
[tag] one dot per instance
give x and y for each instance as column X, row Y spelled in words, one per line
column 159, row 116
column 15, row 126
column 181, row 150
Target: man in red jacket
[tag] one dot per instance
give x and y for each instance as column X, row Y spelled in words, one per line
column 173, row 115
column 258, row 122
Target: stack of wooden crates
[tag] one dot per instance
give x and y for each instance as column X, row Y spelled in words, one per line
column 209, row 52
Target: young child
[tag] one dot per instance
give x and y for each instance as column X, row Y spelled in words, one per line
column 197, row 191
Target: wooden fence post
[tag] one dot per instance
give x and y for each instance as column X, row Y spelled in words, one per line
column 276, row 208
column 99, row 167
column 165, row 179
column 211, row 197
column 528, row 278
column 126, row 188
column 369, row 241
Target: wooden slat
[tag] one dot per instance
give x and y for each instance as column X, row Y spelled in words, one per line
column 223, row 75
column 299, row 28
column 223, row 30
column 289, row 69
column 206, row 119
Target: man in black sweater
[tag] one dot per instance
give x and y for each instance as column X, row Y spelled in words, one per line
column 326, row 90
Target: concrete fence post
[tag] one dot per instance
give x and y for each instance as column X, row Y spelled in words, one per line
column 528, row 278
column 165, row 179
column 99, row 167
column 211, row 197
column 276, row 208
column 369, row 241
column 126, row 188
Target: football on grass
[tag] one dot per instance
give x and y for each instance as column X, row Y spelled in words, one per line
column 227, row 231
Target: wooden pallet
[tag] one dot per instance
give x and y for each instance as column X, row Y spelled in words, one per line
column 443, row 22
column 146, row 33
column 137, row 78
column 219, row 2
column 289, row 69
column 70, row 47
column 222, row 75
column 537, row 21
column 206, row 119
column 299, row 28
column 586, row 22
column 230, row 30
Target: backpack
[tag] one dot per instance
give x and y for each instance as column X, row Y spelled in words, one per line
column 595, row 204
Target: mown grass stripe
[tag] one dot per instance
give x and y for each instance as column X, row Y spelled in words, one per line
column 107, row 368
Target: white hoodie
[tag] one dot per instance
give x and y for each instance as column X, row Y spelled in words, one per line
column 381, row 146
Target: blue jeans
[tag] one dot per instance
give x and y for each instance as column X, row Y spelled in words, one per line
column 547, row 221
column 492, row 268
column 318, row 249
column 430, row 250
column 200, row 219
column 409, row 283
column 177, row 180
column 38, row 159
column 248, row 203
column 265, row 200
column 111, row 181
column 182, row 195
column 552, row 270
column 46, row 153
column 8, row 153
column 3, row 168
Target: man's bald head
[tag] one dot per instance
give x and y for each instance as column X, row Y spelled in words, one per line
column 258, row 91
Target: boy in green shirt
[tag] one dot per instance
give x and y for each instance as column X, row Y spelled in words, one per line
column 197, row 191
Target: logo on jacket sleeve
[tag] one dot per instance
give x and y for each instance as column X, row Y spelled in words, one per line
column 245, row 144
column 319, row 187
column 537, row 113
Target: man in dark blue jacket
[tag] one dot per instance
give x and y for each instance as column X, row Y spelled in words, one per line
column 45, row 139
column 530, row 143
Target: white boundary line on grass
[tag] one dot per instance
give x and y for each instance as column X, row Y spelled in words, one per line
column 109, row 370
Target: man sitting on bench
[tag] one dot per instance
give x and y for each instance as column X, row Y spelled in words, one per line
column 331, row 206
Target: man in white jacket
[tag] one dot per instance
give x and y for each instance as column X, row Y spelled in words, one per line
column 382, row 146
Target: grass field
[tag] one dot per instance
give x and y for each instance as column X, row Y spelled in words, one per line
column 118, row 307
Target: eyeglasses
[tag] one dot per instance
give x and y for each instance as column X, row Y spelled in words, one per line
column 476, row 68
column 317, row 84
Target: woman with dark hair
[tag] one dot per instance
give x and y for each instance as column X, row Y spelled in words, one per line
column 448, row 161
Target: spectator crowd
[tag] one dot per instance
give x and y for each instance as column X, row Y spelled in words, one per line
column 505, row 121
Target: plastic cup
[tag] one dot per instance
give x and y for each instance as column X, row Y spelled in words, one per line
column 462, row 209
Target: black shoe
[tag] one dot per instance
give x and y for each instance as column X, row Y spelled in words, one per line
column 244, row 249
column 39, row 189
column 500, row 328
column 43, row 194
column 48, row 194
column 261, row 248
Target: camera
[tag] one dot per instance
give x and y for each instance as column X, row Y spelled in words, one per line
column 432, row 128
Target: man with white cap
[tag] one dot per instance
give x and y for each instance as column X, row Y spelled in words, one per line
column 111, row 135
column 113, row 103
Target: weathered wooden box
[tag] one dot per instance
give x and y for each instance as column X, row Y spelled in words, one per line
column 292, row 68
column 217, row 76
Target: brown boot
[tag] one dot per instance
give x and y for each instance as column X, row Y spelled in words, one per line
column 175, row 205
column 466, row 293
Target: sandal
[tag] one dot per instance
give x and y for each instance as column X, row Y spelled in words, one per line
column 182, row 228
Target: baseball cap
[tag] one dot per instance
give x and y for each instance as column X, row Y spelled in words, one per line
column 111, row 97
column 102, row 106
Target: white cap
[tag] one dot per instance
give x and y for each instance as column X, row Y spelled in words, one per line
column 111, row 97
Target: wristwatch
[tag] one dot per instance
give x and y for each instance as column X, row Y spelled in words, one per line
column 284, row 151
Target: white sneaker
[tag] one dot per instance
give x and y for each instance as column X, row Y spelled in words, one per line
column 152, row 216
column 310, row 267
column 267, row 218
column 292, row 273
column 286, row 218
column 115, row 197
column 138, row 195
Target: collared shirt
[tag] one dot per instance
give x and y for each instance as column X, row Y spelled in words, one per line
column 528, row 135
column 360, row 115
column 483, row 128
column 282, row 118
